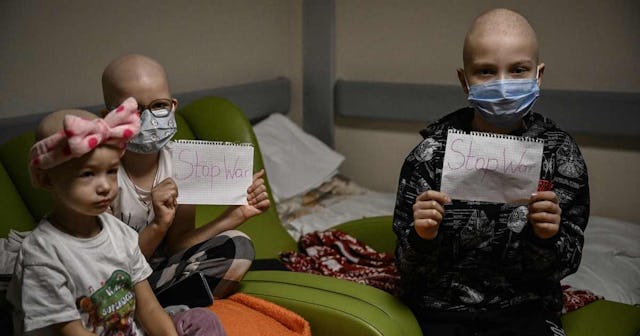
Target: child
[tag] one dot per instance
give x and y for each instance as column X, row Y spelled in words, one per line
column 81, row 272
column 466, row 268
column 147, row 200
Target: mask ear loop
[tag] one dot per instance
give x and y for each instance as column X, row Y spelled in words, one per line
column 466, row 81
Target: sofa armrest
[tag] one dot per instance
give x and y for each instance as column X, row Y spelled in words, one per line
column 603, row 318
column 332, row 306
column 374, row 231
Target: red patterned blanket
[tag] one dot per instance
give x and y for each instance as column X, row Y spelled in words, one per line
column 334, row 253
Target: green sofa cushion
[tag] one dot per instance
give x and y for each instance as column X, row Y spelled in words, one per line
column 348, row 308
column 14, row 155
column 603, row 318
column 12, row 207
column 225, row 122
column 373, row 231
column 184, row 132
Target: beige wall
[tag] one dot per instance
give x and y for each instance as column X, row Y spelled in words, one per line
column 586, row 45
column 53, row 52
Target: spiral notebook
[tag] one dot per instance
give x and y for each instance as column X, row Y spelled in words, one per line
column 491, row 167
column 209, row 172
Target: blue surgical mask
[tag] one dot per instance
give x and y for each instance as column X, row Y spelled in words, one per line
column 155, row 132
column 503, row 103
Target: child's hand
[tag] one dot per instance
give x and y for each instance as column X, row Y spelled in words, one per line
column 164, row 197
column 544, row 214
column 428, row 212
column 257, row 197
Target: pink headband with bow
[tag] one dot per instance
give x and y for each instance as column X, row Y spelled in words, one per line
column 80, row 136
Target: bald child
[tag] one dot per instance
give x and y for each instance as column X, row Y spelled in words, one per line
column 480, row 268
column 80, row 259
column 147, row 198
column 81, row 271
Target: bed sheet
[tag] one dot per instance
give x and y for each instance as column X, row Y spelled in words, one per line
column 610, row 264
column 336, row 201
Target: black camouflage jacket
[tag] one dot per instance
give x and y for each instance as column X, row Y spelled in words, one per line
column 479, row 261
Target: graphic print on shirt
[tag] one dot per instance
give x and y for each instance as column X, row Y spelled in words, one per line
column 518, row 219
column 424, row 151
column 478, row 231
column 568, row 160
column 548, row 166
column 109, row 311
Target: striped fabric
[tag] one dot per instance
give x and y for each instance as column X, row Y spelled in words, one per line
column 223, row 260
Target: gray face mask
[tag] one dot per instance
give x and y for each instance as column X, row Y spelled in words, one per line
column 155, row 132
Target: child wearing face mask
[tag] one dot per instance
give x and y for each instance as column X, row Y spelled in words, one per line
column 81, row 272
column 147, row 199
column 464, row 271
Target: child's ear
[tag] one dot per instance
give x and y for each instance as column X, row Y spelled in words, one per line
column 42, row 179
column 175, row 104
column 463, row 80
column 540, row 73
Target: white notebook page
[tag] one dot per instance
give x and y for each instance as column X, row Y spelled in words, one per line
column 491, row 167
column 212, row 172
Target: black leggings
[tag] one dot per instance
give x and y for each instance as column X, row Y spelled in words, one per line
column 530, row 319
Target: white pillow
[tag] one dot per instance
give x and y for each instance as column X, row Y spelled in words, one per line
column 295, row 161
column 610, row 263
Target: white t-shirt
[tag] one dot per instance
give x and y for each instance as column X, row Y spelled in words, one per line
column 60, row 278
column 133, row 204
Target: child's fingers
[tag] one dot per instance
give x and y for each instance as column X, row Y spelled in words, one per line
column 264, row 204
column 258, row 174
column 440, row 197
column 546, row 230
column 544, row 218
column 544, row 214
column 544, row 196
column 257, row 187
column 426, row 205
column 258, row 198
column 544, row 206
column 432, row 214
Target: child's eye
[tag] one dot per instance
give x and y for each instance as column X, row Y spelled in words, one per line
column 112, row 171
column 485, row 72
column 86, row 173
column 520, row 70
column 161, row 105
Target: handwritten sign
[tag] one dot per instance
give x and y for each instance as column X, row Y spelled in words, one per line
column 491, row 167
column 212, row 172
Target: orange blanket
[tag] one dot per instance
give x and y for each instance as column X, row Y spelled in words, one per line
column 245, row 315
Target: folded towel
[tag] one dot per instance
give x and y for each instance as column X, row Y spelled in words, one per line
column 245, row 315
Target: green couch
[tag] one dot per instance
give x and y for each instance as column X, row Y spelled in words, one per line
column 333, row 307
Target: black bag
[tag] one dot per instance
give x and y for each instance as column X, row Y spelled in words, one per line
column 192, row 291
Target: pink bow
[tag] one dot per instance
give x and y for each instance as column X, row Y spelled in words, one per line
column 80, row 136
